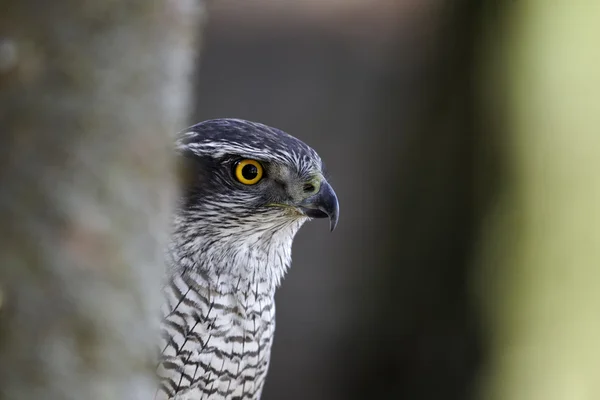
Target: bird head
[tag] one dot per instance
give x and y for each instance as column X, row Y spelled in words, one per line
column 246, row 190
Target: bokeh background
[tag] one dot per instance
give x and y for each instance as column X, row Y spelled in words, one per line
column 381, row 307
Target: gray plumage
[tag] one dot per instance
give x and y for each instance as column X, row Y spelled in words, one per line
column 230, row 248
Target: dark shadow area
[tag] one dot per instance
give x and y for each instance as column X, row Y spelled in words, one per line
column 382, row 307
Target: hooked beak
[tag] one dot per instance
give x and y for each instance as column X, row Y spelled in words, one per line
column 323, row 204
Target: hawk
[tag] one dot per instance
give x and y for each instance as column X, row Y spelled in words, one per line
column 247, row 189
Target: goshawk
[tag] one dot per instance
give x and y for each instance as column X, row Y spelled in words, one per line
column 246, row 190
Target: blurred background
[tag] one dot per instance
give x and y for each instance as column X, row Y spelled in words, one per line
column 382, row 89
column 461, row 138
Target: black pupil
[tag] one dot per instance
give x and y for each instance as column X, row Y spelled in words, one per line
column 249, row 171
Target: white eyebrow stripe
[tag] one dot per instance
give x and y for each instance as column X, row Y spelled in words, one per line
column 303, row 163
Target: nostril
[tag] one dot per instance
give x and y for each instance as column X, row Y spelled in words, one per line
column 309, row 188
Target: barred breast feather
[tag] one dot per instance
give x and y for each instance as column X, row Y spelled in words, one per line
column 215, row 346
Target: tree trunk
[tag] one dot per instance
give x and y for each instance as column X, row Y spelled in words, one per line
column 541, row 254
column 89, row 92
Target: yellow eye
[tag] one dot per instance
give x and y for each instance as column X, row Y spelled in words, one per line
column 248, row 172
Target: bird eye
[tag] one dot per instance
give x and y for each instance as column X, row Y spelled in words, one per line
column 248, row 172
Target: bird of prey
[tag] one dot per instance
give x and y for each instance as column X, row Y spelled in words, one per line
column 246, row 190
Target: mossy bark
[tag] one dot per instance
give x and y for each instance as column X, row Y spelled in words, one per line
column 89, row 93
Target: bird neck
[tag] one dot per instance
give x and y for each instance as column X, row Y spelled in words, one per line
column 229, row 260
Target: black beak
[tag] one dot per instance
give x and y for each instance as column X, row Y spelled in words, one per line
column 324, row 204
